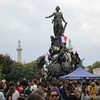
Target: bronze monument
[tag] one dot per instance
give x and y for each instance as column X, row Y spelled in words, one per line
column 57, row 22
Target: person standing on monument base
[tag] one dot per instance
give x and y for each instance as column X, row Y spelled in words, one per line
column 57, row 21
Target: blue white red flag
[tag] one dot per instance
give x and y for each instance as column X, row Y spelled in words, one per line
column 62, row 39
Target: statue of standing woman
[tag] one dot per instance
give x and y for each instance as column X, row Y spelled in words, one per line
column 57, row 22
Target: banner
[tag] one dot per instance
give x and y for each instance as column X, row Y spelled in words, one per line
column 62, row 39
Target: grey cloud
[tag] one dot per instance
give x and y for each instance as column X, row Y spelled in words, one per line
column 25, row 20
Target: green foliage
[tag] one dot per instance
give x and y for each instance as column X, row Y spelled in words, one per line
column 90, row 69
column 5, row 62
column 93, row 66
column 32, row 69
column 11, row 70
column 96, row 65
column 1, row 74
column 21, row 71
column 17, row 71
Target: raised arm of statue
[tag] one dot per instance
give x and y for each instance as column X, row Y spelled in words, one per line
column 50, row 16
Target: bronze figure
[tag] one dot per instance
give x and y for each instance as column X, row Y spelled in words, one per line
column 57, row 22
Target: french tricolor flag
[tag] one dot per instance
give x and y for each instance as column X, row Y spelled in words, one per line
column 62, row 39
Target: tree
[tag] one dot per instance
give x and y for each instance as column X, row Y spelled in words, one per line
column 93, row 66
column 17, row 71
column 96, row 65
column 21, row 71
column 90, row 69
column 31, row 69
column 1, row 74
column 5, row 62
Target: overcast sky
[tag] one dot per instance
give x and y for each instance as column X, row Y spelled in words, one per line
column 25, row 20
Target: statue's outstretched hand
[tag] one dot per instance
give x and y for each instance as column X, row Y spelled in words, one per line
column 66, row 23
column 46, row 17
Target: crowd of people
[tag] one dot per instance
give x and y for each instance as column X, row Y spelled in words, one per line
column 54, row 90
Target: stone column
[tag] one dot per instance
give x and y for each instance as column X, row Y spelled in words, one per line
column 19, row 54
